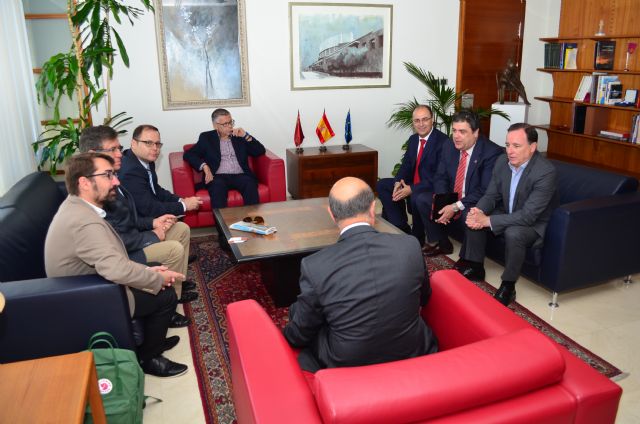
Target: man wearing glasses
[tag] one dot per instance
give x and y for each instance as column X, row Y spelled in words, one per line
column 415, row 176
column 223, row 156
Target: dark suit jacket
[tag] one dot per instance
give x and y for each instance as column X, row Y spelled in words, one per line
column 207, row 149
column 534, row 198
column 479, row 172
column 135, row 231
column 428, row 163
column 133, row 176
column 360, row 301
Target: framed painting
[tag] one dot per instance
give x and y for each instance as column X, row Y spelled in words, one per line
column 340, row 45
column 202, row 50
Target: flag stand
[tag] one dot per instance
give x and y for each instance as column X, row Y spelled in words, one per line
column 346, row 147
column 323, row 148
column 299, row 150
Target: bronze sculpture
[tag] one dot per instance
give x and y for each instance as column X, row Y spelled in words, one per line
column 509, row 80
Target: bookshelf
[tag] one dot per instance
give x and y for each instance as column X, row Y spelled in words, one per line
column 579, row 21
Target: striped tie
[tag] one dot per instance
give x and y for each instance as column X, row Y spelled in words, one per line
column 462, row 165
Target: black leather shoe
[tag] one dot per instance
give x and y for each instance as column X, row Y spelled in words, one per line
column 170, row 343
column 188, row 285
column 179, row 321
column 438, row 249
column 473, row 273
column 187, row 296
column 461, row 264
column 192, row 258
column 505, row 295
column 163, row 367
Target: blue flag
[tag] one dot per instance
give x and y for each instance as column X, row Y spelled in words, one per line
column 347, row 128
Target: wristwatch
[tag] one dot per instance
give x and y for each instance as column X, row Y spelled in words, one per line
column 456, row 209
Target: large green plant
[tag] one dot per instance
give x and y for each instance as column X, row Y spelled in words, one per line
column 81, row 72
column 443, row 100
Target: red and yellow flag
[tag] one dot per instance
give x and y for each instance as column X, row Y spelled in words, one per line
column 298, row 135
column 323, row 130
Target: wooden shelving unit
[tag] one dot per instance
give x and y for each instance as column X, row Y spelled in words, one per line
column 578, row 23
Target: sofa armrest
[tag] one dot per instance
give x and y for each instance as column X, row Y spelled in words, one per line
column 181, row 176
column 591, row 241
column 269, row 169
column 56, row 316
column 268, row 384
column 444, row 383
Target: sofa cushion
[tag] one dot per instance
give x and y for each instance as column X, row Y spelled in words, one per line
column 480, row 373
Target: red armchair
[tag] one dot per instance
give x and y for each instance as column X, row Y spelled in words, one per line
column 269, row 169
column 492, row 367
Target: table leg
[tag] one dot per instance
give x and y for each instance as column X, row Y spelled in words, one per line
column 281, row 277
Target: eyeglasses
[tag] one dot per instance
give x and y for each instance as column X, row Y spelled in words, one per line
column 226, row 124
column 256, row 219
column 425, row 120
column 111, row 150
column 109, row 174
column 150, row 143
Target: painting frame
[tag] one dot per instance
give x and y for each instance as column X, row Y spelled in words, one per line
column 178, row 92
column 330, row 69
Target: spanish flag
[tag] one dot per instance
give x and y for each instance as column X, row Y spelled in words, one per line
column 323, row 130
column 298, row 135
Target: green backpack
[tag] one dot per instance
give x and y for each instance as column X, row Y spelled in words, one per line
column 120, row 379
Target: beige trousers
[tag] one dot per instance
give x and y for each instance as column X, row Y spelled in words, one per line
column 173, row 252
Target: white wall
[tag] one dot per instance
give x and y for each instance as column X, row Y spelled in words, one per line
column 425, row 32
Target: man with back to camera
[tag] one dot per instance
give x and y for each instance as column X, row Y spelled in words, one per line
column 517, row 203
column 465, row 167
column 79, row 242
column 351, row 310
column 161, row 240
column 415, row 176
column 222, row 155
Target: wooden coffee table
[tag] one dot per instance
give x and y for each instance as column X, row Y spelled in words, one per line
column 304, row 227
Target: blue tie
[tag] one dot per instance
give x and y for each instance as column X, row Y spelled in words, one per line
column 151, row 181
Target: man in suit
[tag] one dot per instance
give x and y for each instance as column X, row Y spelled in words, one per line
column 138, row 175
column 161, row 240
column 351, row 310
column 80, row 241
column 517, row 204
column 465, row 168
column 222, row 154
column 415, row 176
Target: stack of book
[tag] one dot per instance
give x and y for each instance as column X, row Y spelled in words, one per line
column 614, row 135
column 599, row 88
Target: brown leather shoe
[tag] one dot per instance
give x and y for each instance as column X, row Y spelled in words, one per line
column 438, row 249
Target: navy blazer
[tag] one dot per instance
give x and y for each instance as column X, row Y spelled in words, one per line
column 428, row 163
column 207, row 149
column 134, row 177
column 481, row 162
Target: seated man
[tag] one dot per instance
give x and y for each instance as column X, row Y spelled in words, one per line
column 465, row 168
column 360, row 298
column 222, row 154
column 517, row 203
column 419, row 166
column 80, row 241
column 138, row 175
column 161, row 240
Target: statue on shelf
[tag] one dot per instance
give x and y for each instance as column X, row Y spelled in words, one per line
column 509, row 80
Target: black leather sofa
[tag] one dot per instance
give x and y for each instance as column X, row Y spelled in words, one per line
column 48, row 316
column 593, row 235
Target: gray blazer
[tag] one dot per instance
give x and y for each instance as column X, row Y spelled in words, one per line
column 80, row 242
column 534, row 198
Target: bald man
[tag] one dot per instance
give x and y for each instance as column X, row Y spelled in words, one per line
column 352, row 310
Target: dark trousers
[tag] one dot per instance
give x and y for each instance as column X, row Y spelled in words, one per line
column 438, row 232
column 396, row 212
column 222, row 183
column 517, row 239
column 156, row 311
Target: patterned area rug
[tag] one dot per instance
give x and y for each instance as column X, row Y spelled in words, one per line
column 220, row 282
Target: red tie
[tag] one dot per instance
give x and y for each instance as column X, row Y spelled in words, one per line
column 462, row 165
column 416, row 174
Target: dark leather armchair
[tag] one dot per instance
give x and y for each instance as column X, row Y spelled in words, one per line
column 48, row 316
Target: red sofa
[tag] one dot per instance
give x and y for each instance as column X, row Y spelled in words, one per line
column 493, row 367
column 269, row 169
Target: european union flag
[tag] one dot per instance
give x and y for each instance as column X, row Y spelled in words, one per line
column 347, row 128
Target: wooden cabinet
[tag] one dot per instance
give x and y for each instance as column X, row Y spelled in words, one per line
column 579, row 21
column 312, row 172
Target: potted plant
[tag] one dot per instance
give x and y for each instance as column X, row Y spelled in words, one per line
column 80, row 72
column 443, row 100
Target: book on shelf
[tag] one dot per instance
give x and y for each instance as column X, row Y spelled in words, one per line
column 553, row 55
column 635, row 128
column 584, row 88
column 595, row 81
column 604, row 54
column 578, row 118
column 569, row 55
column 614, row 135
column 614, row 93
column 601, row 90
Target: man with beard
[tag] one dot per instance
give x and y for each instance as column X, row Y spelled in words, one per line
column 80, row 241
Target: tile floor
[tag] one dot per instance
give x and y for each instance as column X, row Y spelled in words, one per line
column 605, row 319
